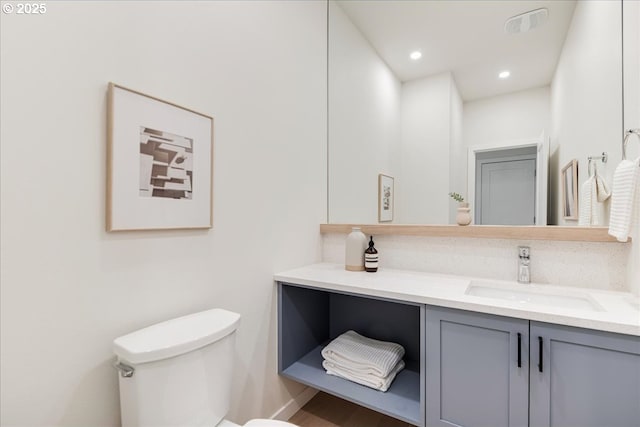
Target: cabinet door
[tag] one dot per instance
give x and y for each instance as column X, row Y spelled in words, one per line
column 472, row 373
column 583, row 378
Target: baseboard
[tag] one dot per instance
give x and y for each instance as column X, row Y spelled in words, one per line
column 294, row 405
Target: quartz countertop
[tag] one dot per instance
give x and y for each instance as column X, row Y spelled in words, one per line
column 616, row 311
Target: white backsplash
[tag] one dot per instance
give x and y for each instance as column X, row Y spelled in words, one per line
column 581, row 264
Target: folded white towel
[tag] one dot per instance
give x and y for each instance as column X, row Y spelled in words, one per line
column 369, row 380
column 365, row 355
column 625, row 198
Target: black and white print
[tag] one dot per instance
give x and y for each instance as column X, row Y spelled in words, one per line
column 166, row 164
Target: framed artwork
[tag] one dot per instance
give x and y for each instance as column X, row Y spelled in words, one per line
column 159, row 164
column 570, row 190
column 385, row 198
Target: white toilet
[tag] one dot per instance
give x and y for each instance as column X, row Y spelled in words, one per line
column 178, row 372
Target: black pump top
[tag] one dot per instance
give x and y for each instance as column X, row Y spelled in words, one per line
column 371, row 249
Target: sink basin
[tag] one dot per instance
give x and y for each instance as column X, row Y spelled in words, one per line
column 531, row 294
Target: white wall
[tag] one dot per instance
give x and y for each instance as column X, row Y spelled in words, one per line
column 586, row 99
column 68, row 287
column 457, row 153
column 632, row 113
column 511, row 117
column 423, row 181
column 378, row 126
column 364, row 118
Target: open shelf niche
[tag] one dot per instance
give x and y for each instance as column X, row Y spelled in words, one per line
column 308, row 319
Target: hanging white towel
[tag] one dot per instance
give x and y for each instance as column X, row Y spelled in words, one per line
column 602, row 189
column 594, row 191
column 625, row 199
column 369, row 380
column 588, row 197
column 365, row 355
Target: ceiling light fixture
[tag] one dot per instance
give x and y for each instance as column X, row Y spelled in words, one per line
column 504, row 74
column 415, row 55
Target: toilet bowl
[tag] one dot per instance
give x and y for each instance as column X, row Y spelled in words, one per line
column 179, row 372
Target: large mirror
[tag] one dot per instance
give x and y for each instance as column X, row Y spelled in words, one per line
column 488, row 99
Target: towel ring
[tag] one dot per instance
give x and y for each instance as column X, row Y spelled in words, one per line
column 630, row 132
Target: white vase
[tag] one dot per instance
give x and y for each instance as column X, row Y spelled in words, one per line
column 464, row 214
column 354, row 250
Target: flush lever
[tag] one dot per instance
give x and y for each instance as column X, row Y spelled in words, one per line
column 126, row 371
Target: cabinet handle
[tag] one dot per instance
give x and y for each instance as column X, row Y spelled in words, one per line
column 519, row 350
column 540, row 366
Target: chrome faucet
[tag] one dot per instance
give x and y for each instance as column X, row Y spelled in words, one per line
column 524, row 273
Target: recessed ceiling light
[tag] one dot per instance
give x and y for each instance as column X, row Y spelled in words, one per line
column 415, row 55
column 504, row 74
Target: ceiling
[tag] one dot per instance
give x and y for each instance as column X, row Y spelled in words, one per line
column 465, row 37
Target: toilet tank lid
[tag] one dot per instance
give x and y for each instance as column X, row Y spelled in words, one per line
column 176, row 336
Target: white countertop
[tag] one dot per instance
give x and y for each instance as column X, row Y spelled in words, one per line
column 617, row 311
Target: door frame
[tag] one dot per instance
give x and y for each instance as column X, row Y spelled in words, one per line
column 542, row 169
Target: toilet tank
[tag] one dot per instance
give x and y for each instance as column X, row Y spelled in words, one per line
column 182, row 371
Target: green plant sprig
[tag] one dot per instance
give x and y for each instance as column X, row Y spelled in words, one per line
column 457, row 197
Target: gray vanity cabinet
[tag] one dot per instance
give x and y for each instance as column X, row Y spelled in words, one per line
column 484, row 370
column 464, row 368
column 477, row 369
column 583, row 378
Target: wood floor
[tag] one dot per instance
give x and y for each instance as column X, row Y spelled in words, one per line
column 325, row 410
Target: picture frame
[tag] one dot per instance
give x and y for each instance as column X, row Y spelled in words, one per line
column 570, row 191
column 386, row 197
column 159, row 164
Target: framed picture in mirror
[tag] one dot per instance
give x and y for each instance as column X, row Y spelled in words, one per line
column 570, row 191
column 385, row 198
